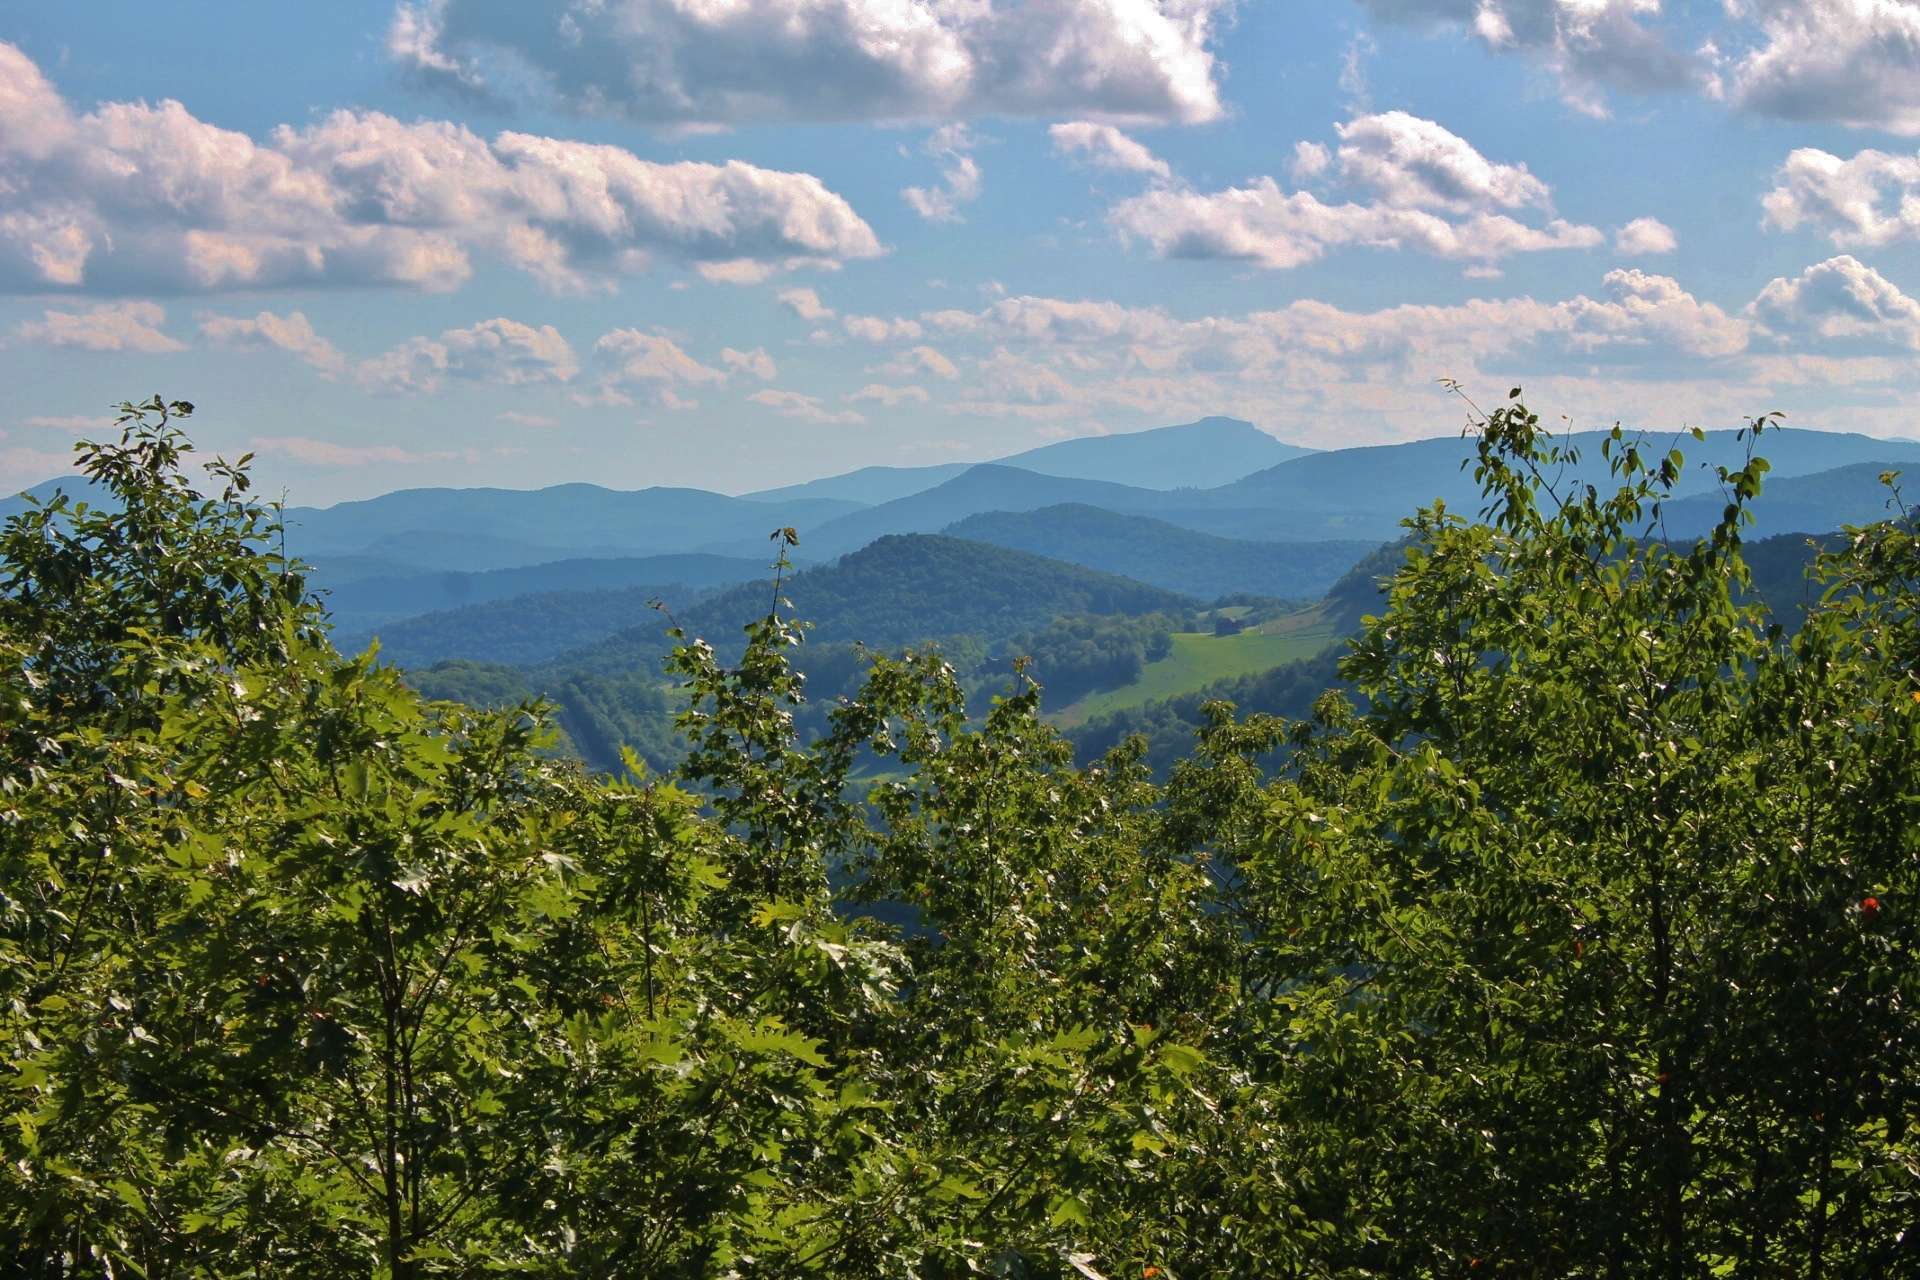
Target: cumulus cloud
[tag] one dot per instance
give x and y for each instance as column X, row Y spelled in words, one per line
column 119, row 326
column 292, row 333
column 1411, row 163
column 1428, row 190
column 1852, row 62
column 880, row 328
column 1840, row 301
column 804, row 303
column 1590, row 46
column 1268, row 227
column 1644, row 237
column 139, row 197
column 1310, row 160
column 959, row 177
column 634, row 356
column 499, row 351
column 1105, row 147
column 917, row 362
column 1869, row 200
column 794, row 404
column 892, row 397
column 1045, row 359
column 756, row 362
column 692, row 62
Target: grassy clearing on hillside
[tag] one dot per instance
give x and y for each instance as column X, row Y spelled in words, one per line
column 1200, row 658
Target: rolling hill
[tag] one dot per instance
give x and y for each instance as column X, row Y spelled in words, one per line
column 518, row 631
column 869, row 485
column 975, row 491
column 903, row 589
column 364, row 601
column 1825, row 500
column 1166, row 555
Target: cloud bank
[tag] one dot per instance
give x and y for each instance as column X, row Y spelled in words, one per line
column 140, row 198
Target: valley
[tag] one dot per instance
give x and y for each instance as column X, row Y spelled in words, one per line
column 1109, row 561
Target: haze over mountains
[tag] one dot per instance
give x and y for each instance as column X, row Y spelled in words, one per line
column 1092, row 551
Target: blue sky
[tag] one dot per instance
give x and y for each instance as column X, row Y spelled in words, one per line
column 735, row 243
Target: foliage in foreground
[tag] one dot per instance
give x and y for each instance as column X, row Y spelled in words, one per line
column 1586, row 949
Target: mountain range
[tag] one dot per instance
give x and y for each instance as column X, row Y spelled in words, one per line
column 492, row 595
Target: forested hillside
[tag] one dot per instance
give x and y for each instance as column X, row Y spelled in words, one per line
column 1166, row 555
column 1576, row 940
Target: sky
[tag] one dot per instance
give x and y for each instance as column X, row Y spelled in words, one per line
column 742, row 243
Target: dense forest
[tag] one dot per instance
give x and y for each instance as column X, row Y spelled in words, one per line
column 1567, row 930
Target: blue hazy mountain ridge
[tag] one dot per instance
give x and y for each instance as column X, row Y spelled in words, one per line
column 987, row 487
column 1366, row 491
column 361, row 603
column 1198, row 455
column 1359, row 494
column 1166, row 555
column 562, row 519
column 868, row 485
column 1346, row 494
column 1211, row 451
column 1809, row 504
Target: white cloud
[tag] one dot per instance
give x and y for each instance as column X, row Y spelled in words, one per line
column 1278, row 230
column 1644, row 237
column 916, row 362
column 891, row 397
column 118, row 326
column 959, row 177
column 22, row 466
column 1649, row 309
column 291, row 333
column 793, row 404
column 1411, row 163
column 1105, row 147
column 1054, row 360
column 499, row 351
column 684, row 62
column 1310, row 160
column 1430, row 191
column 743, row 271
column 537, row 421
column 134, row 196
column 70, row 423
column 1870, row 200
column 631, row 356
column 328, row 453
column 1841, row 301
column 880, row 329
column 1589, row 45
column 756, row 362
column 804, row 303
column 1853, row 62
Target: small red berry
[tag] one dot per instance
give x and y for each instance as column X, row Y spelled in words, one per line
column 1869, row 907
